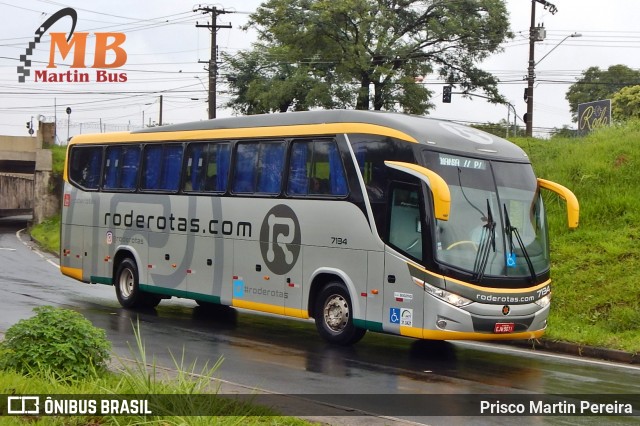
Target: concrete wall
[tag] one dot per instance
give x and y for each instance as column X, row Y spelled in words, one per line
column 48, row 190
column 16, row 192
column 20, row 143
column 40, row 191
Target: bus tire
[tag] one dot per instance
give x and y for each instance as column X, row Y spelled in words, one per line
column 334, row 316
column 128, row 289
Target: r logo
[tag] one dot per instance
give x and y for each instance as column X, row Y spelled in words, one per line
column 280, row 239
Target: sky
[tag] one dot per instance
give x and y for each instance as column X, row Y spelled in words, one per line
column 164, row 47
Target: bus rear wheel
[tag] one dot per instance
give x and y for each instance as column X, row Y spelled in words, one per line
column 334, row 316
column 128, row 288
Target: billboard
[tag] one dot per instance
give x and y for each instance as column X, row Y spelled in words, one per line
column 592, row 115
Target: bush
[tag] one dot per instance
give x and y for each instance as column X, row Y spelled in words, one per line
column 60, row 341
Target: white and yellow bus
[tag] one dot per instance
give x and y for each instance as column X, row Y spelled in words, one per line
column 360, row 220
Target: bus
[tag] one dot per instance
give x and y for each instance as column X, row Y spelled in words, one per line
column 359, row 220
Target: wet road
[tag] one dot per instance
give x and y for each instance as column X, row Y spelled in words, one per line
column 287, row 356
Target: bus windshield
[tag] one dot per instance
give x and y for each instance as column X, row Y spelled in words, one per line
column 497, row 226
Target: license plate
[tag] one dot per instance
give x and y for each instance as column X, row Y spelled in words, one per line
column 504, row 327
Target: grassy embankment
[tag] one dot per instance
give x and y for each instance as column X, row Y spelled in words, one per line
column 595, row 268
column 596, row 274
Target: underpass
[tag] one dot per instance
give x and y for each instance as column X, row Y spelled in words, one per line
column 26, row 179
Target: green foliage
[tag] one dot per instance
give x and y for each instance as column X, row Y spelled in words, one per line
column 55, row 341
column 596, row 84
column 332, row 54
column 47, row 234
column 58, row 153
column 596, row 280
column 625, row 104
column 138, row 377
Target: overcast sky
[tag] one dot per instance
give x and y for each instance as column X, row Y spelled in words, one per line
column 164, row 46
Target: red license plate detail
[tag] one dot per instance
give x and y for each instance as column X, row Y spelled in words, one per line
column 504, row 327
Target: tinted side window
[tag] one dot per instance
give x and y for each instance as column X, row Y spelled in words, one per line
column 161, row 167
column 121, row 167
column 258, row 167
column 84, row 166
column 371, row 152
column 316, row 168
column 206, row 167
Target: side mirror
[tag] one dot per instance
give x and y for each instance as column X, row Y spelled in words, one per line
column 573, row 207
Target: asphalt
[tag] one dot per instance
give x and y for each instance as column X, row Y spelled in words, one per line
column 542, row 344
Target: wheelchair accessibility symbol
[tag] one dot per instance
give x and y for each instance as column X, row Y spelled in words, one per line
column 402, row 316
column 394, row 316
column 511, row 260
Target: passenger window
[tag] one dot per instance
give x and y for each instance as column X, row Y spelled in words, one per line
column 258, row 167
column 316, row 169
column 206, row 167
column 85, row 165
column 121, row 167
column 161, row 168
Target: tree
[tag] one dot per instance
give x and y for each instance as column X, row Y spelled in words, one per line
column 363, row 53
column 625, row 104
column 596, row 84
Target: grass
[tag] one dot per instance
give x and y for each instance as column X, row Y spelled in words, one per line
column 48, row 234
column 596, row 279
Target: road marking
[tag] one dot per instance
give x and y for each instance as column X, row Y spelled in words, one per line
column 572, row 358
column 7, row 249
column 34, row 249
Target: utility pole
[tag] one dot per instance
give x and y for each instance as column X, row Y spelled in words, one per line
column 213, row 61
column 534, row 35
column 160, row 118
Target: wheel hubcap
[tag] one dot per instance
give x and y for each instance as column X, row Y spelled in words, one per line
column 126, row 283
column 336, row 313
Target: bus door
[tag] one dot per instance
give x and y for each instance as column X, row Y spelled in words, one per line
column 404, row 298
column 403, row 310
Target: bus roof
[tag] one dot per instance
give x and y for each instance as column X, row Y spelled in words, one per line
column 444, row 135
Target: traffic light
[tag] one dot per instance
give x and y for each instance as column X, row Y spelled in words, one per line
column 446, row 94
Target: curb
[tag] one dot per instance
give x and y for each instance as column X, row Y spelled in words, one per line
column 578, row 350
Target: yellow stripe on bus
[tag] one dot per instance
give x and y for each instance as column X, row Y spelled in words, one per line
column 72, row 272
column 420, row 333
column 272, row 309
column 479, row 288
column 244, row 132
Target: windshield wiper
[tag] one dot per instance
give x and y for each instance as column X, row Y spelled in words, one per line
column 487, row 242
column 510, row 231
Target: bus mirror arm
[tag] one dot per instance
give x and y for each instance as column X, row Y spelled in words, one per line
column 573, row 207
column 437, row 185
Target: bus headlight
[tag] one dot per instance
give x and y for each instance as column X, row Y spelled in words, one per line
column 451, row 298
column 544, row 302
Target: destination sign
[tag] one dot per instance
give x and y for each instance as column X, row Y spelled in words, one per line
column 462, row 162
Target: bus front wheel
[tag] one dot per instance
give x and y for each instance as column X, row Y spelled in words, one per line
column 334, row 316
column 128, row 289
